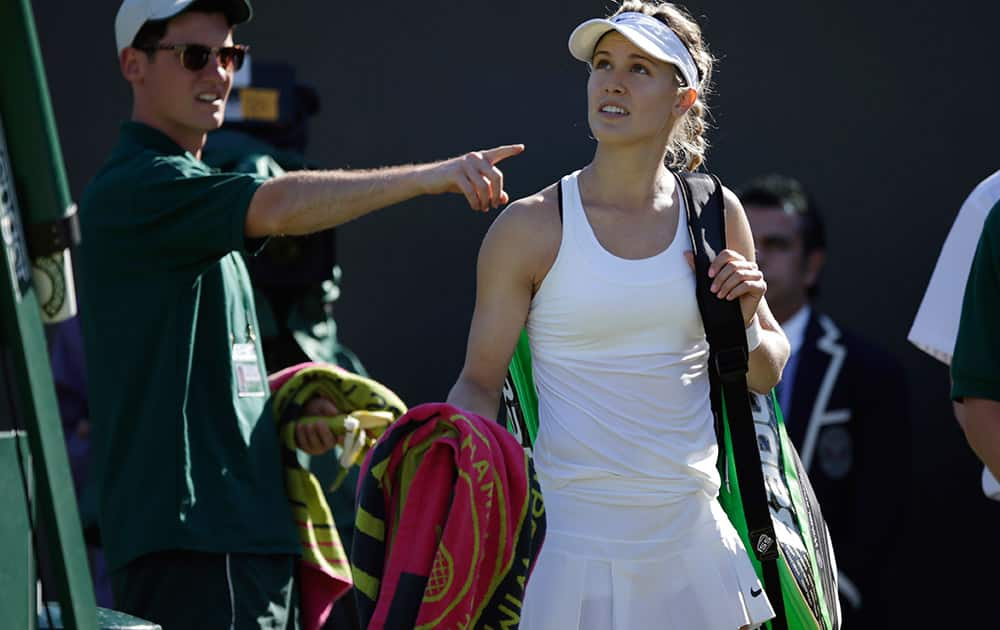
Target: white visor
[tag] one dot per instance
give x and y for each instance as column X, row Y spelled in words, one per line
column 651, row 35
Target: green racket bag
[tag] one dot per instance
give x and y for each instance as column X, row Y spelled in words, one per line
column 765, row 489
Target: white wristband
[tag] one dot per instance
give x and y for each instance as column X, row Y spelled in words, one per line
column 753, row 334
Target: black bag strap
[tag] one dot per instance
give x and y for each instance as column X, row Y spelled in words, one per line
column 559, row 196
column 728, row 365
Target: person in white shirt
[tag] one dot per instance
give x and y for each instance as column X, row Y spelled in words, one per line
column 935, row 327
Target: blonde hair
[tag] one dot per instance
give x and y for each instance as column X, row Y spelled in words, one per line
column 688, row 145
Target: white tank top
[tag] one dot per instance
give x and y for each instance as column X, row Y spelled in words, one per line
column 619, row 358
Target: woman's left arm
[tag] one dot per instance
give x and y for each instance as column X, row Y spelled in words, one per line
column 735, row 275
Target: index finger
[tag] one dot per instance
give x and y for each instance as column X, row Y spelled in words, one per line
column 721, row 260
column 502, row 153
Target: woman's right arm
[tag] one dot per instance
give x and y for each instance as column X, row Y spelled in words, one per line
column 515, row 255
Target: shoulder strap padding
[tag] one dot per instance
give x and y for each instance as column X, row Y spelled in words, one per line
column 728, row 357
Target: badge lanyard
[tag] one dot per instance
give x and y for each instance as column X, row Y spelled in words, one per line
column 250, row 381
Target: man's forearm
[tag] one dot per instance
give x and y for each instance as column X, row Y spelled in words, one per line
column 982, row 430
column 309, row 201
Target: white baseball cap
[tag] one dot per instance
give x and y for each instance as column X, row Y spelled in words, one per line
column 651, row 35
column 132, row 14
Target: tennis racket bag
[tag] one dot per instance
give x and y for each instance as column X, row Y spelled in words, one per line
column 765, row 489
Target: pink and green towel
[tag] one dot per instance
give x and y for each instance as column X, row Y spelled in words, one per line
column 325, row 573
column 449, row 524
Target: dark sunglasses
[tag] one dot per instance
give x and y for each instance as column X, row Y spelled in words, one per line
column 194, row 57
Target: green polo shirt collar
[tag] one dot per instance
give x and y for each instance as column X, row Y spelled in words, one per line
column 143, row 136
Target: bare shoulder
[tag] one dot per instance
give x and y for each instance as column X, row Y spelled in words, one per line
column 533, row 213
column 733, row 205
column 531, row 223
column 738, row 234
column 523, row 241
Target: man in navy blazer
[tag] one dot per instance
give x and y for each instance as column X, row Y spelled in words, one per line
column 844, row 400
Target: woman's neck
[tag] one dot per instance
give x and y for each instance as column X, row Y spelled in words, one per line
column 627, row 177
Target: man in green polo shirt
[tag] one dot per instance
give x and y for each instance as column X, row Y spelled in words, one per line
column 975, row 366
column 192, row 510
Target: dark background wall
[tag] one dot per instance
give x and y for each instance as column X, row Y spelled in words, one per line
column 885, row 110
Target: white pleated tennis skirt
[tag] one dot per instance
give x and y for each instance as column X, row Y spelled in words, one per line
column 641, row 565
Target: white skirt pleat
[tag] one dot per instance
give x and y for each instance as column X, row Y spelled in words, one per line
column 699, row 578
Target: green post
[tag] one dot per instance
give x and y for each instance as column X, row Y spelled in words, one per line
column 25, row 357
column 26, row 111
column 17, row 562
column 33, row 188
